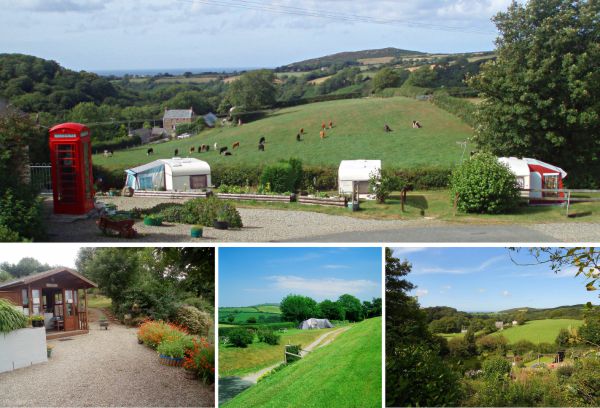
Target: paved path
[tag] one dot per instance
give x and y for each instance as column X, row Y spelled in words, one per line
column 102, row 368
column 269, row 225
column 229, row 387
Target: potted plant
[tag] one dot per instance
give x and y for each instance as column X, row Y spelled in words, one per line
column 172, row 352
column 196, row 231
column 221, row 221
column 49, row 350
column 153, row 220
column 37, row 321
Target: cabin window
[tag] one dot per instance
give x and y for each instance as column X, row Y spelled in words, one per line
column 198, row 182
column 58, row 304
column 550, row 183
column 521, row 182
column 69, row 302
column 36, row 300
column 25, row 301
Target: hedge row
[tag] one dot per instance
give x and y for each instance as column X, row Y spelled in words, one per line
column 456, row 106
column 320, row 98
column 117, row 144
column 409, row 91
column 224, row 331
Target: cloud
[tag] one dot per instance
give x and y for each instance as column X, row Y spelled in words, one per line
column 322, row 287
column 336, row 266
column 460, row 271
column 62, row 6
column 399, row 252
column 422, row 292
column 445, row 289
column 505, row 293
column 481, row 290
column 308, row 256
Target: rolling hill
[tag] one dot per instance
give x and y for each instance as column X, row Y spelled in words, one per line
column 357, row 134
column 346, row 372
column 538, row 331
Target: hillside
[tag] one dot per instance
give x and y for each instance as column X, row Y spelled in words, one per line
column 538, row 331
column 357, row 134
column 573, row 311
column 264, row 313
column 344, row 58
column 347, row 371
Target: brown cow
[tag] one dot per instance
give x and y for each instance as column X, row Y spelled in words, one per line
column 235, row 145
column 301, row 131
column 192, row 149
column 322, row 134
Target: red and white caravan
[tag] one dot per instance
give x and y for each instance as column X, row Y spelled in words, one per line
column 534, row 175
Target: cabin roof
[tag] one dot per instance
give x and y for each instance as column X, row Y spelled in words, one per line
column 26, row 280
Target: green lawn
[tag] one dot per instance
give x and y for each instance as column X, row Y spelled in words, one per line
column 98, row 301
column 346, row 373
column 538, row 331
column 358, row 134
column 262, row 313
column 239, row 361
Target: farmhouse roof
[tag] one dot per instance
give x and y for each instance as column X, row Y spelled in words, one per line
column 210, row 119
column 178, row 113
column 26, row 280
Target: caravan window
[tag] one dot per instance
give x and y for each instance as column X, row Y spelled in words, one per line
column 521, row 182
column 550, row 183
column 198, row 182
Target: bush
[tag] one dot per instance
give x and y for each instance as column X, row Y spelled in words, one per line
column 462, row 108
column 196, row 321
column 21, row 215
column 200, row 304
column 236, row 175
column 492, row 344
column 241, row 337
column 563, row 338
column 564, row 371
column 269, row 337
column 522, row 346
column 11, row 318
column 280, row 176
column 153, row 332
column 203, row 211
column 484, row 185
column 201, row 358
column 175, row 347
column 496, row 368
column 116, row 144
column 251, row 320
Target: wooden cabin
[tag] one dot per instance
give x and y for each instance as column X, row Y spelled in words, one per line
column 60, row 295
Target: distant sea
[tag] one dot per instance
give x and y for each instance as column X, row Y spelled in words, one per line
column 172, row 71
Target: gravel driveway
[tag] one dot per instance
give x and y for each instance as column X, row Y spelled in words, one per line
column 267, row 225
column 102, row 368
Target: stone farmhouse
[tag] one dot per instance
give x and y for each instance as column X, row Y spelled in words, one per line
column 173, row 117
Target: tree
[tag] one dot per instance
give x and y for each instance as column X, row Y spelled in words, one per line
column 424, row 77
column 296, row 308
column 254, row 90
column 352, row 307
column 332, row 310
column 388, row 78
column 5, row 276
column 26, row 266
column 542, row 92
column 563, row 337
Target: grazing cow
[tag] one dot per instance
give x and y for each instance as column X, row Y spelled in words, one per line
column 416, row 125
column 298, row 139
column 192, row 149
column 261, row 147
column 387, row 128
column 110, row 153
column 106, row 153
column 227, row 154
column 176, row 153
column 208, row 148
column 222, row 150
column 216, row 145
column 331, row 124
column 301, row 131
column 262, row 140
column 323, row 126
column 235, row 145
column 202, row 148
column 150, row 151
column 322, row 134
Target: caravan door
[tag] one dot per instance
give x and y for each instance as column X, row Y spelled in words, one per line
column 535, row 183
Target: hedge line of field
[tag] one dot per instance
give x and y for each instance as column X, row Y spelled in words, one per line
column 322, row 178
column 224, row 331
column 116, row 144
column 461, row 108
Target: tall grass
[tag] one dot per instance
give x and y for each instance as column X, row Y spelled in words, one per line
column 10, row 318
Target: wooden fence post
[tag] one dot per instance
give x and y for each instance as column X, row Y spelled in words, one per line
column 455, row 203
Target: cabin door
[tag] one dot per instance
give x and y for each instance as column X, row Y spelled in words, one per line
column 70, row 309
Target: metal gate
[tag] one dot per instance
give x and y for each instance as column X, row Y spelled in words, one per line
column 41, row 178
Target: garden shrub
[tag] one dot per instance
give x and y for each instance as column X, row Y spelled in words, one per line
column 200, row 304
column 201, row 358
column 564, row 371
column 461, row 108
column 251, row 320
column 153, row 332
column 584, row 384
column 522, row 346
column 11, row 318
column 236, row 175
column 496, row 368
column 175, row 346
column 196, row 321
column 269, row 337
column 8, row 235
column 280, row 176
column 492, row 344
column 21, row 214
column 484, row 185
column 240, row 337
column 201, row 211
column 545, row 348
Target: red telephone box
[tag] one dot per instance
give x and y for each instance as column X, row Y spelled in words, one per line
column 71, row 158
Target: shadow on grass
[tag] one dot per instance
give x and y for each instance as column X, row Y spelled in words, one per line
column 229, row 387
column 417, row 201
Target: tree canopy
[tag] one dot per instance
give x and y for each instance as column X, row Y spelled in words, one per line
column 542, row 93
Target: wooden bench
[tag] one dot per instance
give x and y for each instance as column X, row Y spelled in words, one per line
column 104, row 324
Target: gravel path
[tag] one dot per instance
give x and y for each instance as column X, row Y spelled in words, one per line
column 268, row 225
column 103, row 368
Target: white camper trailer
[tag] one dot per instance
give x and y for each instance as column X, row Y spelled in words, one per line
column 176, row 174
column 359, row 172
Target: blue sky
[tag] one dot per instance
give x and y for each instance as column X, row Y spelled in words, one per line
column 152, row 34
column 251, row 276
column 485, row 279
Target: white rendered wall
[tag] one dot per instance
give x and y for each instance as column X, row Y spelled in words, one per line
column 22, row 348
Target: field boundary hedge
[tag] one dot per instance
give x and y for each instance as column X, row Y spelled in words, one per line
column 459, row 107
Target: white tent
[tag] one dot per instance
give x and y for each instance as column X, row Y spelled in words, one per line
column 313, row 323
column 176, row 174
column 359, row 171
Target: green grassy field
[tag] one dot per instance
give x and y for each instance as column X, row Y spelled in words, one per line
column 538, row 331
column 262, row 313
column 239, row 361
column 346, row 373
column 357, row 134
